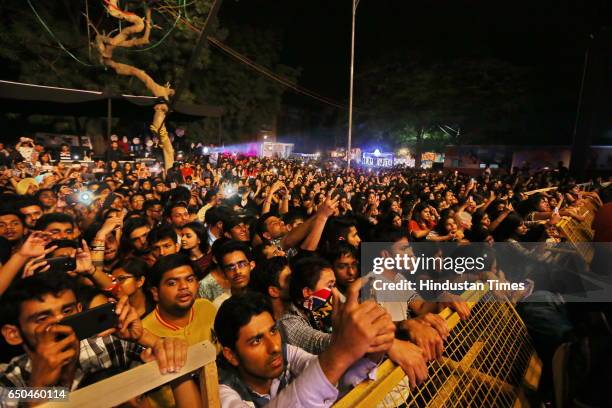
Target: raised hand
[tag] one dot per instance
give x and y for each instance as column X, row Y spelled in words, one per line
column 84, row 263
column 111, row 224
column 35, row 265
column 35, row 245
column 329, row 206
column 360, row 328
column 130, row 326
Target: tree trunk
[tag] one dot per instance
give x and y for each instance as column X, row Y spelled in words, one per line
column 419, row 148
column 106, row 45
column 95, row 130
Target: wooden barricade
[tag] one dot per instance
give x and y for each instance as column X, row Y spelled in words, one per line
column 136, row 381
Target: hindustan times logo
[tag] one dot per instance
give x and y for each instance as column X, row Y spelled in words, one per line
column 412, row 264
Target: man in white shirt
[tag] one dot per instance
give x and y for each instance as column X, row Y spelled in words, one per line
column 256, row 369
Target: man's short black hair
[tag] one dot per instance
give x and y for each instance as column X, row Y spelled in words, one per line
column 165, row 264
column 235, row 313
column 162, row 232
column 216, row 214
column 150, row 203
column 338, row 227
column 267, row 274
column 305, row 273
column 390, row 235
column 231, row 246
column 134, row 266
column 47, row 219
column 130, row 225
column 173, row 205
column 27, row 201
column 13, row 211
column 293, row 216
column 261, row 226
column 33, row 287
column 338, row 250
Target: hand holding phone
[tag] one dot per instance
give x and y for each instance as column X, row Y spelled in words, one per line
column 55, row 347
column 93, row 321
column 61, row 264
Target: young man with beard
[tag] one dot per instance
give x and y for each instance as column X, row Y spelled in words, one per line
column 236, row 262
column 343, row 257
column 174, row 288
column 134, row 239
column 153, row 211
column 178, row 215
column 31, row 209
column 257, row 369
column 178, row 313
column 105, row 242
column 343, row 229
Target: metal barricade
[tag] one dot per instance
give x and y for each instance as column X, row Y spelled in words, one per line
column 488, row 361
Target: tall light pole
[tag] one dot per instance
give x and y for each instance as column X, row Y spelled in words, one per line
column 350, row 124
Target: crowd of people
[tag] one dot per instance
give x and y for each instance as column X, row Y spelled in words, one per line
column 260, row 256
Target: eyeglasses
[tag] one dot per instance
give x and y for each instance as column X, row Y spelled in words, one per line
column 235, row 266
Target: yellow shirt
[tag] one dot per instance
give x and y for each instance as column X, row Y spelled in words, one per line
column 199, row 328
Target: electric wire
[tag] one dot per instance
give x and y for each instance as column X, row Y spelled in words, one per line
column 265, row 71
column 46, row 27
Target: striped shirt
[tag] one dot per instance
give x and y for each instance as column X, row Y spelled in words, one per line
column 95, row 354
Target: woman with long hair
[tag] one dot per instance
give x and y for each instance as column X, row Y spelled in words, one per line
column 214, row 283
column 194, row 242
column 423, row 221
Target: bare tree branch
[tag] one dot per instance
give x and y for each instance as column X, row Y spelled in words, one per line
column 127, row 38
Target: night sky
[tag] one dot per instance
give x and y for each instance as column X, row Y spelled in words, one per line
column 547, row 35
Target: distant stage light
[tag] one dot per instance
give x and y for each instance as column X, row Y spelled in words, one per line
column 205, row 150
column 376, row 152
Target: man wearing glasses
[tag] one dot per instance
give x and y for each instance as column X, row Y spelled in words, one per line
column 235, row 260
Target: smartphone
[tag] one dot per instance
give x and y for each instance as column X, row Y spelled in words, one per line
column 92, row 321
column 61, row 264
